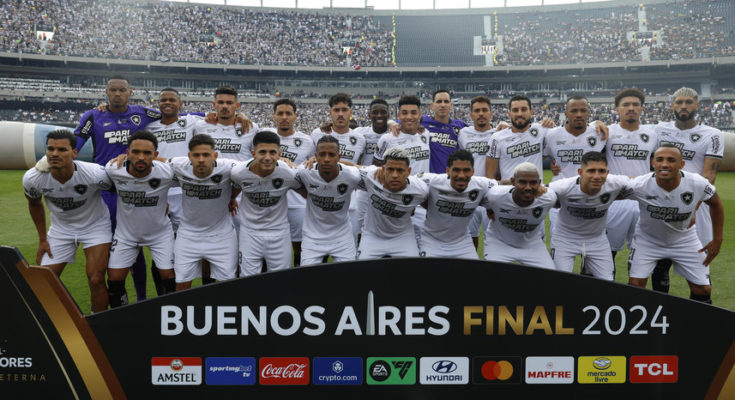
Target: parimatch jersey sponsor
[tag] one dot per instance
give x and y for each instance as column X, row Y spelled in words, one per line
column 417, row 145
column 515, row 225
column 568, row 149
column 173, row 139
column 511, row 148
column 74, row 206
column 477, row 143
column 229, row 141
column 351, row 144
column 629, row 152
column 695, row 144
column 371, row 143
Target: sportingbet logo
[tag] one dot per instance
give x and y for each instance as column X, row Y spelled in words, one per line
column 654, row 369
column 445, row 370
column 176, row 370
column 391, row 371
column 230, row 371
column 549, row 370
column 284, row 371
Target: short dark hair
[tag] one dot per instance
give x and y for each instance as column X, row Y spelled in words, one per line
column 519, row 97
column 668, row 146
column 201, row 138
column 340, row 98
column 409, row 99
column 460, row 155
column 168, row 89
column 60, row 134
column 327, row 139
column 630, row 92
column 143, row 135
column 479, row 99
column 225, row 90
column 284, row 101
column 433, row 97
column 577, row 97
column 377, row 101
column 266, row 137
column 593, row 156
column 117, row 77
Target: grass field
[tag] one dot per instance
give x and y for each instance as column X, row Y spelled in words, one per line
column 16, row 229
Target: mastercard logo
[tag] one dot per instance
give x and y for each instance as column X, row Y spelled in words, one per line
column 497, row 370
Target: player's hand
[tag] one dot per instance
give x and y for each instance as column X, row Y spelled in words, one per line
column 548, row 123
column 491, row 214
column 211, row 118
column 379, row 175
column 420, row 129
column 326, row 127
column 309, row 164
column 502, row 125
column 713, row 249
column 555, row 168
column 43, row 247
column 102, row 107
column 119, row 161
column 395, row 129
column 42, row 165
column 542, row 189
column 287, row 161
column 247, row 124
column 602, row 130
column 232, row 206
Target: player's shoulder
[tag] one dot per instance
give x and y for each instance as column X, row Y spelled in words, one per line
column 500, row 190
column 358, row 135
column 693, row 177
column 503, row 134
column 163, row 168
column 706, row 130
column 147, row 111
column 34, row 176
column 350, row 173
column 285, row 169
column 547, row 199
column 564, row 184
column 178, row 162
column 485, row 182
column 416, row 185
column 619, row 180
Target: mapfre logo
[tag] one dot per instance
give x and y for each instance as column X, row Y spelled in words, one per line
column 284, row 371
column 549, row 369
column 654, row 369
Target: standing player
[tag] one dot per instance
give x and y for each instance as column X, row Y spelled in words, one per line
column 379, row 114
column 297, row 147
column 518, row 219
column 327, row 229
column 668, row 199
column 701, row 148
column 71, row 190
column 566, row 144
column 444, row 131
column 628, row 150
column 264, row 230
column 476, row 140
column 580, row 227
column 230, row 142
column 109, row 132
column 388, row 231
column 452, row 201
column 142, row 192
column 206, row 231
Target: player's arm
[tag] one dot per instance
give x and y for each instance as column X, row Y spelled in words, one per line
column 711, row 165
column 602, row 129
column 85, row 129
column 491, row 167
column 717, row 213
column 232, row 205
column 38, row 215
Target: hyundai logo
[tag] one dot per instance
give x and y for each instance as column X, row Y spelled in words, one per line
column 444, row 367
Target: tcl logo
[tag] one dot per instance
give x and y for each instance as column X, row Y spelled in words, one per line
column 654, row 369
column 284, row 371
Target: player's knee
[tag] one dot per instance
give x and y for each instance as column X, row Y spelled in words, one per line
column 96, row 279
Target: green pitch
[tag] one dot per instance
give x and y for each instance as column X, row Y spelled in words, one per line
column 17, row 229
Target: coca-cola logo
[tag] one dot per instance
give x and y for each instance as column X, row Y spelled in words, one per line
column 284, row 371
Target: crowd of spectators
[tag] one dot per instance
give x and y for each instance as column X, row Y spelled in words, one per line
column 165, row 31
column 718, row 114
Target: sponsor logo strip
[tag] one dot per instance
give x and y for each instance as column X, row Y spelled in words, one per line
column 549, row 370
column 654, row 369
column 444, row 370
column 230, row 371
column 176, row 371
column 284, row 371
column 337, row 370
column 390, row 371
column 601, row 369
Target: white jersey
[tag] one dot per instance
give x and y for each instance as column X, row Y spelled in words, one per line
column 416, row 144
column 582, row 215
column 75, row 206
column 477, row 143
column 665, row 216
column 264, row 206
column 371, row 143
column 328, row 203
column 449, row 211
column 351, row 144
column 229, row 141
column 511, row 148
column 515, row 225
column 205, row 201
column 568, row 149
column 695, row 144
column 389, row 213
column 141, row 202
column 629, row 152
column 173, row 139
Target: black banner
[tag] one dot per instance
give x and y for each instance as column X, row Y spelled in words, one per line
column 417, row 328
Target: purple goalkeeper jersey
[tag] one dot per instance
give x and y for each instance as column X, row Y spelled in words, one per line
column 443, row 141
column 109, row 131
